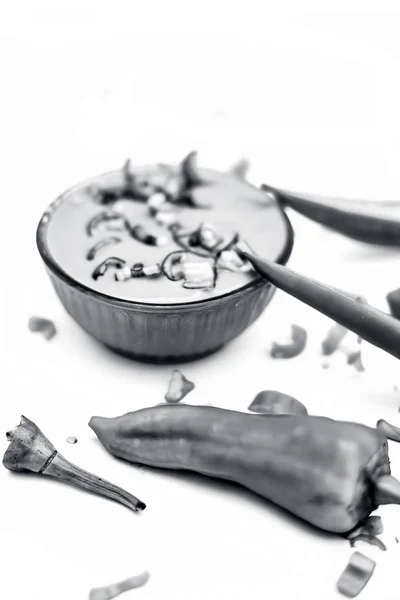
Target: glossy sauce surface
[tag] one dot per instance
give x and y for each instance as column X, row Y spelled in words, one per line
column 227, row 202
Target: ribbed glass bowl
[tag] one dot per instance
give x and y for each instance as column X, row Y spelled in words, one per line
column 159, row 333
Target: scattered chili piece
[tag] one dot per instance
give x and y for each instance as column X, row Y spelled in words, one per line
column 356, row 575
column 355, row 359
column 368, row 539
column 71, row 439
column 294, row 348
column 43, row 326
column 178, row 387
column 271, row 402
column 334, row 337
column 115, row 589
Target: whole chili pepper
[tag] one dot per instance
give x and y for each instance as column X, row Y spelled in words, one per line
column 332, row 474
column 362, row 220
column 371, row 324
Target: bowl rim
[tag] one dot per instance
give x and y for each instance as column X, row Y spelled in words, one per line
column 56, row 269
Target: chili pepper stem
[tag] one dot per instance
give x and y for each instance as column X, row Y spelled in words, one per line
column 387, row 490
column 30, row 450
column 62, row 469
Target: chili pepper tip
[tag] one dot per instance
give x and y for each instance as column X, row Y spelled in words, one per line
column 387, row 490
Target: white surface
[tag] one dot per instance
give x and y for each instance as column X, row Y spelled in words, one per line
column 311, row 97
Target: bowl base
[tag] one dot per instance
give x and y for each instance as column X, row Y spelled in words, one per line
column 166, row 360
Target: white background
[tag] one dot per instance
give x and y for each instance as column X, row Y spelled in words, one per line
column 311, row 95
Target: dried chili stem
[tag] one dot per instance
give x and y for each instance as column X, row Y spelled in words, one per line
column 30, row 450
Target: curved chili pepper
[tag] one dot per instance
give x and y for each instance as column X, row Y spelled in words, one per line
column 367, row 221
column 371, row 324
column 330, row 473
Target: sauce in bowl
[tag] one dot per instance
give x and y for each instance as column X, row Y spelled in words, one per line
column 163, row 234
